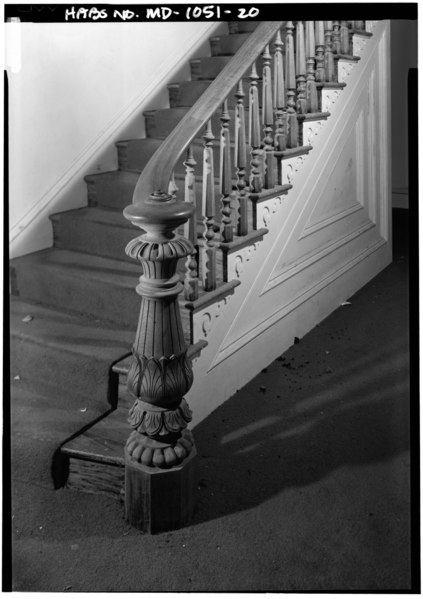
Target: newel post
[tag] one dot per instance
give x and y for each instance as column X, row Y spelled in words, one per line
column 160, row 451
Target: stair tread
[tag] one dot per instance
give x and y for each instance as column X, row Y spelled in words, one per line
column 87, row 266
column 104, row 441
column 83, row 266
column 128, row 176
column 96, row 214
column 77, row 334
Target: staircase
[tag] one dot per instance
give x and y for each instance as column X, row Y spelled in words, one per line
column 304, row 224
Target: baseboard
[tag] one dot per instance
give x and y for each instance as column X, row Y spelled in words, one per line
column 400, row 197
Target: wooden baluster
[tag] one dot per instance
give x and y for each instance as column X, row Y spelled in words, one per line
column 320, row 52
column 190, row 229
column 344, row 38
column 208, row 207
column 267, row 121
column 290, row 84
column 312, row 100
column 256, row 181
column 172, row 188
column 279, row 100
column 329, row 60
column 240, row 160
column 160, row 374
column 225, row 175
column 300, row 68
column 337, row 37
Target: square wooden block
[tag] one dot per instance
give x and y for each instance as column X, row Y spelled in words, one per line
column 157, row 500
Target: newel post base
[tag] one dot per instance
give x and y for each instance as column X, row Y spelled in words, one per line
column 158, row 500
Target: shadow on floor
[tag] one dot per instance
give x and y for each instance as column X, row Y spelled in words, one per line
column 282, row 441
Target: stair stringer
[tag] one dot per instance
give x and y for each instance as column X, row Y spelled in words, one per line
column 340, row 246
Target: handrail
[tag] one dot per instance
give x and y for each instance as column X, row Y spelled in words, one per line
column 157, row 173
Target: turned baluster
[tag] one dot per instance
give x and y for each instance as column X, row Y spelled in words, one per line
column 190, row 229
column 172, row 187
column 329, row 59
column 290, row 85
column 300, row 67
column 208, row 207
column 320, row 52
column 225, row 175
column 312, row 100
column 267, row 122
column 256, row 181
column 344, row 38
column 337, row 37
column 279, row 100
column 240, row 160
column 160, row 373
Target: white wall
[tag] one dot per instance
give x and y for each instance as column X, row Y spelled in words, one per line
column 81, row 87
column 403, row 58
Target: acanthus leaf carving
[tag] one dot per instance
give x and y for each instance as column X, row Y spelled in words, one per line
column 148, row 420
column 160, row 379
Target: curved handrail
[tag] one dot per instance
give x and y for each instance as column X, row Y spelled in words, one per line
column 158, row 171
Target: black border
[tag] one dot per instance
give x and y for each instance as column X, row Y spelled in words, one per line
column 56, row 13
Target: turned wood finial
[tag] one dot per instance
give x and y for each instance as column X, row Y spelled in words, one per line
column 256, row 182
column 279, row 99
column 320, row 51
column 190, row 228
column 337, row 37
column 344, row 38
column 301, row 69
column 225, row 174
column 329, row 59
column 311, row 90
column 240, row 160
column 267, row 121
column 208, row 253
column 290, row 84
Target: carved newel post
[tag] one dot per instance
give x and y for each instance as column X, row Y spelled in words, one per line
column 160, row 452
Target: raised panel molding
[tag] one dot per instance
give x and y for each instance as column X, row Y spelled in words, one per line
column 331, row 254
column 345, row 176
column 284, row 310
column 338, row 234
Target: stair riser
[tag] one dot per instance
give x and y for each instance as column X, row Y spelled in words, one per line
column 75, row 294
column 162, row 123
column 133, row 161
column 227, row 44
column 145, row 148
column 74, row 380
column 242, row 26
column 188, row 92
column 109, row 194
column 101, row 239
column 210, row 67
column 108, row 198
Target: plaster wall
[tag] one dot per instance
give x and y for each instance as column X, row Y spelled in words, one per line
column 80, row 88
